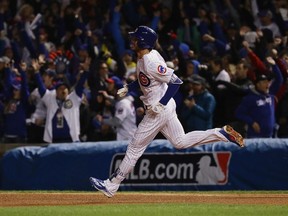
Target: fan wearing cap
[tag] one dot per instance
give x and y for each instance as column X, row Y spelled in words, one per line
column 198, row 108
column 15, row 105
column 257, row 108
column 63, row 114
column 265, row 21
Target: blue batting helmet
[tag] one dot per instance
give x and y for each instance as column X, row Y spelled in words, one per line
column 146, row 37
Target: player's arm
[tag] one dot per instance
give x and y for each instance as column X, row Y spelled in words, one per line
column 133, row 86
column 173, row 87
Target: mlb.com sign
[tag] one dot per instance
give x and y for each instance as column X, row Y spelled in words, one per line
column 209, row 168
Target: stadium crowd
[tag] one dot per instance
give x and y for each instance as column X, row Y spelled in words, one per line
column 62, row 62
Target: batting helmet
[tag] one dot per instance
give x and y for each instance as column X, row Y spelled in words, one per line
column 146, row 37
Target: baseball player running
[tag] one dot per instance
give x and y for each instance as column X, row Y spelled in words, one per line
column 158, row 84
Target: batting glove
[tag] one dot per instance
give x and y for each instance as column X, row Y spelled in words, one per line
column 157, row 108
column 123, row 91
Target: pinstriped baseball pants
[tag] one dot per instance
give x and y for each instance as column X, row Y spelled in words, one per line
column 169, row 125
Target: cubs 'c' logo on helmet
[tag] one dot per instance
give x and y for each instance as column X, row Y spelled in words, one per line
column 162, row 70
column 144, row 80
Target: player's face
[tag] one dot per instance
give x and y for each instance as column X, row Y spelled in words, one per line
column 133, row 44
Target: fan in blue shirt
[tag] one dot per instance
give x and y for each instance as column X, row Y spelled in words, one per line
column 257, row 109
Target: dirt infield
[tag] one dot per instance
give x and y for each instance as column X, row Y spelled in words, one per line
column 89, row 198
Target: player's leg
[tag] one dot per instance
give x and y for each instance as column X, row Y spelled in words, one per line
column 145, row 133
column 174, row 132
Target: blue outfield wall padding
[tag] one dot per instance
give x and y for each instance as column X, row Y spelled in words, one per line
column 261, row 165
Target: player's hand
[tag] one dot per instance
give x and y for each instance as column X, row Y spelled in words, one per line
column 123, row 91
column 157, row 108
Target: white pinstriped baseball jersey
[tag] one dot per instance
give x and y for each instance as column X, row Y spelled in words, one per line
column 153, row 76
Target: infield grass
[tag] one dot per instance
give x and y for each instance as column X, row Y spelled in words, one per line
column 147, row 210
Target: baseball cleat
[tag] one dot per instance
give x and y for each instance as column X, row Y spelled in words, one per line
column 99, row 185
column 232, row 135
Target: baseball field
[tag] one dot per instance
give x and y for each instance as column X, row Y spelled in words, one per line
column 42, row 203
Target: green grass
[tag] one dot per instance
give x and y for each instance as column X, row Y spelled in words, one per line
column 146, row 209
column 167, row 209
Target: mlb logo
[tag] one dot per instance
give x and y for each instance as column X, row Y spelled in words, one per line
column 213, row 168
